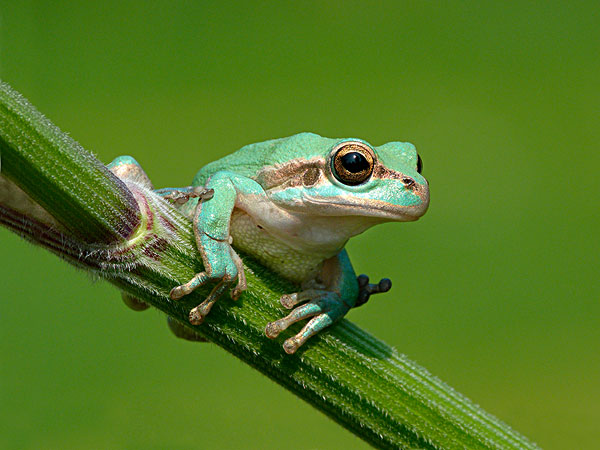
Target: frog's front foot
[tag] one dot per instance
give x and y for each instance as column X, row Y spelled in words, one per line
column 325, row 308
column 224, row 273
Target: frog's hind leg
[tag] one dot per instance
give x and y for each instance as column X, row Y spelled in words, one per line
column 127, row 168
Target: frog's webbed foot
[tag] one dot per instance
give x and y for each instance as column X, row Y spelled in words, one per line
column 224, row 272
column 367, row 289
column 325, row 308
column 181, row 196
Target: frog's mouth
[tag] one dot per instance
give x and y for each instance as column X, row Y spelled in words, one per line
column 368, row 208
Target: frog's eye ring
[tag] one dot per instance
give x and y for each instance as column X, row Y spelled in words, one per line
column 419, row 164
column 352, row 162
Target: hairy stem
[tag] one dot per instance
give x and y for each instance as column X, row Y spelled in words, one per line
column 60, row 175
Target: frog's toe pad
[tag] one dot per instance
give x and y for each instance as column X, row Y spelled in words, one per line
column 314, row 326
column 273, row 329
column 291, row 345
column 237, row 291
column 289, row 300
column 198, row 314
column 196, row 317
column 179, row 291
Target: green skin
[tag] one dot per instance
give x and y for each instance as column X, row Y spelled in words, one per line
column 290, row 204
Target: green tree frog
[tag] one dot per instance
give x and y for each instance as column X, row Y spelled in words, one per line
column 293, row 203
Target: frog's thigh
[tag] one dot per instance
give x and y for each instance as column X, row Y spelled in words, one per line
column 127, row 168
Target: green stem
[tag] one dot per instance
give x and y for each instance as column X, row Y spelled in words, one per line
column 60, row 175
column 351, row 376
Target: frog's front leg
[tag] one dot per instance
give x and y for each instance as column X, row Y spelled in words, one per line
column 324, row 306
column 211, row 227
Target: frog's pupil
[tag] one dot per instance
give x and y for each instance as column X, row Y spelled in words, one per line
column 354, row 162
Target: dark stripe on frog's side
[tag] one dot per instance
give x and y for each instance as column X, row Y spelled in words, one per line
column 291, row 174
column 308, row 172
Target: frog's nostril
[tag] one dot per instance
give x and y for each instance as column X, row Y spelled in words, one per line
column 408, row 182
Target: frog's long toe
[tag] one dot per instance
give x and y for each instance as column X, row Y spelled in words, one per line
column 198, row 314
column 302, row 312
column 288, row 301
column 242, row 285
column 315, row 325
column 324, row 311
column 179, row 291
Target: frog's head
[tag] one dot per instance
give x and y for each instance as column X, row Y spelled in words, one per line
column 348, row 177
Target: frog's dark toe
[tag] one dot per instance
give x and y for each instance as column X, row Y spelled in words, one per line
column 367, row 289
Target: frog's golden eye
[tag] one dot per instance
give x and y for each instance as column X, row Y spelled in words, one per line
column 419, row 164
column 352, row 163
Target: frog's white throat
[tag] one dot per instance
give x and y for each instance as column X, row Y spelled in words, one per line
column 323, row 235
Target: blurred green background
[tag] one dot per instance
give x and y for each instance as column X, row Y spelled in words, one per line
column 495, row 289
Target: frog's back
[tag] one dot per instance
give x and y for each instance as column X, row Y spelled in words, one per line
column 249, row 160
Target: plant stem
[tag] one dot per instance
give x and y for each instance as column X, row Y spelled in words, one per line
column 60, row 175
column 131, row 237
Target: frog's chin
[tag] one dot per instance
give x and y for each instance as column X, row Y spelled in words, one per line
column 376, row 209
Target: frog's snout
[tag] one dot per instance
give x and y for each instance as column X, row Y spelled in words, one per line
column 423, row 192
column 420, row 191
